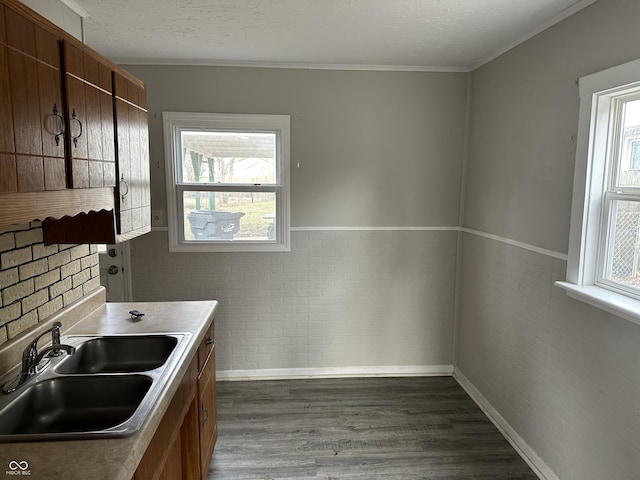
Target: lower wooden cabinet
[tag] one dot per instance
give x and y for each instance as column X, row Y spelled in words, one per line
column 173, row 466
column 208, row 412
column 190, row 443
column 183, row 444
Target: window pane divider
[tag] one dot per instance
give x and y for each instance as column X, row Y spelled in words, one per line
column 630, row 196
column 212, row 187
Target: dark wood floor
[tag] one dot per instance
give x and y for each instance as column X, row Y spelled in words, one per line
column 375, row 428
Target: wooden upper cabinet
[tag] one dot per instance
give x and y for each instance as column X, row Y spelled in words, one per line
column 133, row 190
column 59, row 138
column 32, row 150
column 90, row 119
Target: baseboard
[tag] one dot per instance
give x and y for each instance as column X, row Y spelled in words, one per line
column 335, row 372
column 538, row 466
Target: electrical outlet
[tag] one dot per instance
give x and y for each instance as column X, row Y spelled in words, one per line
column 156, row 218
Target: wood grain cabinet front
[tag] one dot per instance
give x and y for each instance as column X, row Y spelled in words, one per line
column 32, row 148
column 207, row 414
column 71, row 122
column 132, row 133
column 184, row 441
column 89, row 119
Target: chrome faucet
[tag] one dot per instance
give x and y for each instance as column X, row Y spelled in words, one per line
column 31, row 357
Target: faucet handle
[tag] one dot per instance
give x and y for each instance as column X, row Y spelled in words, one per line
column 55, row 333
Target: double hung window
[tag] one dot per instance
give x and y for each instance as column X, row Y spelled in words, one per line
column 604, row 244
column 619, row 247
column 227, row 181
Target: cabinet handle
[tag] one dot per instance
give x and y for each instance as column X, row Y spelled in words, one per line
column 58, row 129
column 124, row 188
column 209, row 341
column 206, row 415
column 74, row 116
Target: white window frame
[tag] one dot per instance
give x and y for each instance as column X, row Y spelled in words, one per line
column 173, row 121
column 589, row 216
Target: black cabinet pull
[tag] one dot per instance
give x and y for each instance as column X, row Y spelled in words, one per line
column 58, row 130
column 74, row 116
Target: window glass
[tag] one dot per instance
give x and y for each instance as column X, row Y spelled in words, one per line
column 228, row 157
column 629, row 143
column 237, row 216
column 621, row 265
column 619, row 243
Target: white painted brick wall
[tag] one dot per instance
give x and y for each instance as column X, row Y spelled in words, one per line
column 37, row 280
column 70, row 268
column 31, row 269
column 16, row 257
column 564, row 375
column 364, row 298
column 28, row 237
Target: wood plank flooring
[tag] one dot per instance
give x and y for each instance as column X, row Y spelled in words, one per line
column 366, row 428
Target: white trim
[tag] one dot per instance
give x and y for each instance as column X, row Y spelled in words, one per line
column 336, row 372
column 77, row 8
column 526, row 246
column 295, row 66
column 566, row 13
column 538, row 466
column 366, row 229
column 607, row 300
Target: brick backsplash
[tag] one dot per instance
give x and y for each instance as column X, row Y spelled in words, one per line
column 37, row 280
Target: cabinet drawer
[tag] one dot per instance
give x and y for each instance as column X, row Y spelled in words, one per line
column 205, row 347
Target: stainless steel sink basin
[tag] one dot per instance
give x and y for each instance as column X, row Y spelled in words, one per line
column 118, row 354
column 96, row 392
column 74, row 404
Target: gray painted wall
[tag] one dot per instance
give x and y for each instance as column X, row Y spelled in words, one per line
column 564, row 375
column 339, row 299
column 524, row 115
column 376, row 149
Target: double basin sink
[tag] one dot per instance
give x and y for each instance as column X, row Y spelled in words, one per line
column 105, row 389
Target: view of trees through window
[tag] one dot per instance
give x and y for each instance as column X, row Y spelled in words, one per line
column 235, row 162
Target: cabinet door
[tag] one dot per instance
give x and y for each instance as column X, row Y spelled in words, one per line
column 8, row 179
column 190, row 440
column 208, row 412
column 172, row 469
column 30, row 92
column 132, row 167
column 90, row 118
column 51, row 108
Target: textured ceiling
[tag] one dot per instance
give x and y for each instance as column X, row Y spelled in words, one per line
column 413, row 34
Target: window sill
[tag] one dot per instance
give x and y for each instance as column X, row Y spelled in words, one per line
column 611, row 302
column 228, row 247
